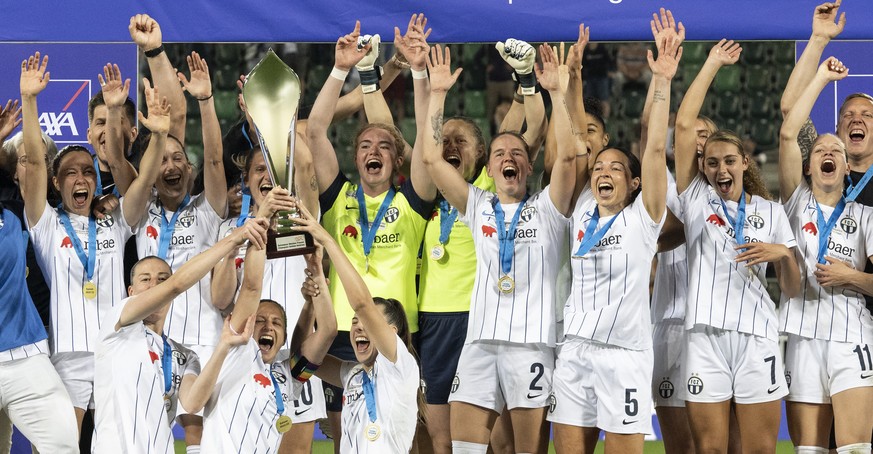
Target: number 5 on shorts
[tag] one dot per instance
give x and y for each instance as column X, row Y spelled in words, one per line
column 631, row 406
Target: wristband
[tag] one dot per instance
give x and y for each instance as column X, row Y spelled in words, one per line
column 340, row 74
column 528, row 82
column 400, row 62
column 205, row 99
column 301, row 368
column 154, row 52
column 416, row 74
column 370, row 79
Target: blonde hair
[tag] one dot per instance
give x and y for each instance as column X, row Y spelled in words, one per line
column 752, row 181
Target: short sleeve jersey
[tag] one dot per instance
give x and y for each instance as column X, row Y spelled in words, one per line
column 828, row 313
column 241, row 415
column 527, row 315
column 75, row 319
column 129, row 387
column 671, row 274
column 610, row 295
column 192, row 319
column 445, row 285
column 394, row 256
column 721, row 292
column 396, row 397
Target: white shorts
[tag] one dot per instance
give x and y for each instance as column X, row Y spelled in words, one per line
column 76, row 370
column 720, row 365
column 496, row 374
column 204, row 353
column 309, row 406
column 668, row 345
column 599, row 385
column 816, row 369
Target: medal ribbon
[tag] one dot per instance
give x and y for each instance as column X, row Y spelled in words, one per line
column 592, row 236
column 506, row 237
column 738, row 223
column 368, row 234
column 825, row 228
column 448, row 214
column 280, row 404
column 244, row 210
column 167, row 363
column 168, row 227
column 99, row 189
column 853, row 190
column 370, row 396
column 88, row 260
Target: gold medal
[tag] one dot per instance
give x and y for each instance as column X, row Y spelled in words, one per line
column 506, row 284
column 372, row 431
column 283, row 424
column 89, row 290
column 437, row 252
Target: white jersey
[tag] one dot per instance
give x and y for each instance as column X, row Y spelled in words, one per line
column 721, row 292
column 75, row 319
column 828, row 313
column 129, row 388
column 610, row 297
column 192, row 319
column 396, row 392
column 528, row 313
column 671, row 274
column 241, row 415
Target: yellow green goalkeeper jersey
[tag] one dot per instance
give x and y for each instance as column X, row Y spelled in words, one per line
column 389, row 269
column 447, row 275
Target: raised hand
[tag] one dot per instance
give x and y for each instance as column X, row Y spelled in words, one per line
column 823, row 18
column 200, row 85
column 145, row 32
column 307, row 223
column 369, row 60
column 413, row 45
column 669, row 54
column 278, row 199
column 347, row 53
column 34, row 76
column 519, row 54
column 230, row 338
column 574, row 56
column 254, row 231
column 832, row 70
column 441, row 76
column 10, row 118
column 725, row 53
column 158, row 120
column 314, row 271
column 115, row 91
column 548, row 74
column 664, row 26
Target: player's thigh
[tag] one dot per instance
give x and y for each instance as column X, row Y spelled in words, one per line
column 529, row 428
column 525, row 373
column 574, row 439
column 298, row 440
column 675, row 430
column 709, row 425
column 471, row 423
column 502, row 438
column 668, row 347
column 477, row 380
column 853, row 419
column 759, row 426
column 809, row 424
column 759, row 375
column 439, row 428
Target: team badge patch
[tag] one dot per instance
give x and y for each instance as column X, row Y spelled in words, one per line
column 756, row 221
column 186, row 221
column 455, row 383
column 695, row 385
column 107, row 221
column 666, row 389
column 180, row 357
column 553, row 402
column 329, row 395
column 788, row 378
column 392, row 214
column 528, row 213
column 423, row 386
column 848, row 225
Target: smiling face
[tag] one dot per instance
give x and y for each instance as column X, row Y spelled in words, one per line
column 509, row 165
column 376, row 158
column 97, row 131
column 723, row 166
column 257, row 178
column 612, row 182
column 76, row 181
column 597, row 137
column 828, row 166
column 146, row 274
column 365, row 353
column 175, row 174
column 270, row 329
column 855, row 126
column 461, row 147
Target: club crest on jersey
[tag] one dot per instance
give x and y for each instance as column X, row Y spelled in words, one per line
column 187, row 221
column 788, row 378
column 756, row 221
column 528, row 213
column 280, row 377
column 181, row 358
column 329, row 395
column 666, row 389
column 714, row 219
column 350, row 231
column 849, row 225
column 423, row 385
column 392, row 214
column 695, row 385
column 107, row 221
column 262, row 380
column 810, row 228
column 456, row 382
column 553, row 402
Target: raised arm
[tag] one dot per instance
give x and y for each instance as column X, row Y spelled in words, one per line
column 347, row 55
column 115, row 93
column 140, row 306
column 224, row 281
column 34, row 79
column 253, row 280
column 450, row 183
column 563, row 171
column 654, row 162
column 790, row 157
column 685, row 145
column 663, row 26
column 521, row 56
column 824, row 29
column 316, row 344
column 146, row 33
column 200, row 87
column 158, row 121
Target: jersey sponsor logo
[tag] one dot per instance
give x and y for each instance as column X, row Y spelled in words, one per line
column 101, row 244
column 182, row 240
column 527, row 213
column 840, row 249
column 387, row 238
column 392, row 215
column 350, row 231
column 153, row 356
column 714, row 219
column 611, row 240
column 262, row 380
column 352, row 396
column 848, row 225
column 756, row 221
column 488, row 231
column 695, row 385
column 152, row 232
column 239, row 262
column 580, row 235
column 67, row 243
column 810, row 228
column 666, row 389
column 181, row 358
column 107, row 221
column 456, row 382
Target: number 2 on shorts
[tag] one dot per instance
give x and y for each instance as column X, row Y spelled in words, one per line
column 539, row 370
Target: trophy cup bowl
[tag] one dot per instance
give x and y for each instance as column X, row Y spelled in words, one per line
column 272, row 93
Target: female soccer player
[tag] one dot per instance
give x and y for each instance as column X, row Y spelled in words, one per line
column 829, row 328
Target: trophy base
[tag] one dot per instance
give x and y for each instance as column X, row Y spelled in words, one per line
column 289, row 244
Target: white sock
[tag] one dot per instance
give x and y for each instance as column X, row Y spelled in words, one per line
column 810, row 450
column 465, row 447
column 192, row 449
column 855, row 448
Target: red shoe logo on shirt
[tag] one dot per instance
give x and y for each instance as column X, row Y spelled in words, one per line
column 66, row 242
column 239, row 262
column 580, row 235
column 488, row 231
column 262, row 380
column 152, row 232
column 715, row 220
column 350, row 231
column 154, row 356
column 810, row 228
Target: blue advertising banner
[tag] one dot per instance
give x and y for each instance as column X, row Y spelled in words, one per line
column 452, row 20
column 63, row 105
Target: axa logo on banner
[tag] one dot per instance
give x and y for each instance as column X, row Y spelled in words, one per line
column 64, row 107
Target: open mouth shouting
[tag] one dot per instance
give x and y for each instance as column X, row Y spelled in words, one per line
column 265, row 188
column 510, row 172
column 724, row 185
column 454, row 159
column 265, row 343
column 856, row 135
column 80, row 197
column 373, row 166
column 362, row 345
column 828, row 167
column 173, row 180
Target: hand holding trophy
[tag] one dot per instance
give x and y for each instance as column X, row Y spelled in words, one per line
column 272, row 93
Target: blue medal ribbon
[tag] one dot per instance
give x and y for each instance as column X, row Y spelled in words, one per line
column 244, row 210
column 504, row 236
column 853, row 190
column 448, row 214
column 167, row 363
column 99, row 189
column 168, row 227
column 280, row 404
column 370, row 396
column 368, row 231
column 825, row 228
column 740, row 221
column 88, row 260
column 592, row 236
